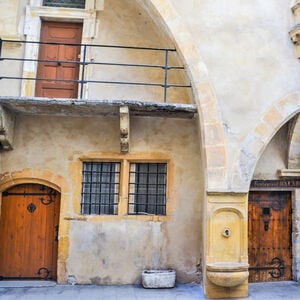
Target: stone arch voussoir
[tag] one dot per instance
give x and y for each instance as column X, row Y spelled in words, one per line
column 45, row 177
column 255, row 143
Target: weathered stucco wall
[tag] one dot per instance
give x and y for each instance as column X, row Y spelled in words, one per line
column 247, row 50
column 12, row 16
column 250, row 60
column 274, row 157
column 115, row 249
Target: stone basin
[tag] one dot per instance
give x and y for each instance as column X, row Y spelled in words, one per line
column 158, row 278
column 227, row 274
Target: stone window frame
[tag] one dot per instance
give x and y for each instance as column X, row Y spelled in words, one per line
column 35, row 14
column 92, row 169
column 125, row 161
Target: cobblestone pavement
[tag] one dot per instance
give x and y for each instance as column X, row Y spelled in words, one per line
column 46, row 291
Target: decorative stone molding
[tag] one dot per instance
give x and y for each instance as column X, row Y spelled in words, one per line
column 295, row 6
column 7, row 125
column 295, row 35
column 286, row 173
column 295, row 30
column 295, row 38
column 124, row 128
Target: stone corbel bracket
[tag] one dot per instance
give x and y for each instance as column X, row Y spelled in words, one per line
column 124, row 128
column 295, row 38
column 7, row 126
column 295, row 30
column 295, row 6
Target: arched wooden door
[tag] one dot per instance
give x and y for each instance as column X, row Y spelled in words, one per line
column 29, row 232
column 269, row 229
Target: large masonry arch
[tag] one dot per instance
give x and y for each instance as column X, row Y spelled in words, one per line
column 254, row 144
column 212, row 134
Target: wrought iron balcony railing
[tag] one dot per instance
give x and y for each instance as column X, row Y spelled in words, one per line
column 85, row 60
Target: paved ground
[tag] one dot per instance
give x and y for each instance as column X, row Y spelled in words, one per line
column 46, row 291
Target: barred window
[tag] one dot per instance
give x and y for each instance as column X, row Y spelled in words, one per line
column 65, row 3
column 147, row 188
column 100, row 188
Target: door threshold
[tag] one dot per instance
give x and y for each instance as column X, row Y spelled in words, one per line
column 26, row 283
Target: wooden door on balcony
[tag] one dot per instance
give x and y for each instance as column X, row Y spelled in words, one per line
column 269, row 226
column 58, row 60
column 29, row 232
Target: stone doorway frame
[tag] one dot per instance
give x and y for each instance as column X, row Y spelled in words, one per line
column 35, row 13
column 295, row 239
column 57, row 182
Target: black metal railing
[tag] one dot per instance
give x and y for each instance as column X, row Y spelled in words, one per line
column 83, row 63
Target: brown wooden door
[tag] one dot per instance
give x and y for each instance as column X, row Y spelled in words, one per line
column 57, row 32
column 28, row 232
column 269, row 226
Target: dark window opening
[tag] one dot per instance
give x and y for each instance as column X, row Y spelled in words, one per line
column 147, row 188
column 266, row 211
column 100, row 188
column 65, row 3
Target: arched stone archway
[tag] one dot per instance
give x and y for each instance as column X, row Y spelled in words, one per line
column 254, row 144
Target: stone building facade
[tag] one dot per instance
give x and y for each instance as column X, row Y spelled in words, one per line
column 189, row 168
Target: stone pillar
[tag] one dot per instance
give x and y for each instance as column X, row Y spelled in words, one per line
column 225, row 269
column 296, row 235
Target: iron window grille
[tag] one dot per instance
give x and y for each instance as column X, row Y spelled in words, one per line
column 65, row 3
column 147, row 188
column 100, row 188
